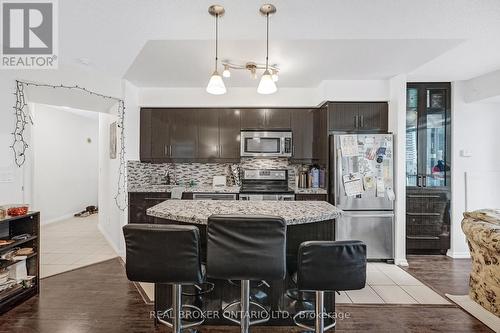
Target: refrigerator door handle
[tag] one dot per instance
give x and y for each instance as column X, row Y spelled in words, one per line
column 339, row 176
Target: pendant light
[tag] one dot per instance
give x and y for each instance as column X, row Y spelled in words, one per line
column 267, row 85
column 216, row 84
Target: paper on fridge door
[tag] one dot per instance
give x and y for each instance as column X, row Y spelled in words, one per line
column 380, row 188
column 349, row 145
column 390, row 194
column 353, row 184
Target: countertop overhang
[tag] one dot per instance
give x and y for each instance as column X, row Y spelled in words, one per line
column 198, row 211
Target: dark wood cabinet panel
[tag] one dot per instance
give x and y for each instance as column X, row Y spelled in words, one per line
column 320, row 136
column 140, row 202
column 311, row 197
column 208, row 134
column 343, row 116
column 373, row 116
column 302, row 123
column 358, row 116
column 253, row 118
column 145, row 135
column 229, row 134
column 183, row 134
column 278, row 119
column 160, row 133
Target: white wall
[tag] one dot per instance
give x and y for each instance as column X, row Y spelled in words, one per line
column 65, row 163
column 397, row 125
column 474, row 128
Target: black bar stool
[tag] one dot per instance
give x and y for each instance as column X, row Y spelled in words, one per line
column 246, row 247
column 329, row 266
column 170, row 254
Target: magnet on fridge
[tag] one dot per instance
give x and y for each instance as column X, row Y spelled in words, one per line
column 381, row 151
column 380, row 159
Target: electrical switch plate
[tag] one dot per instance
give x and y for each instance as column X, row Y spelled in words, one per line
column 465, row 153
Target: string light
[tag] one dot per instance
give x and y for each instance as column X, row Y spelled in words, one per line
column 20, row 145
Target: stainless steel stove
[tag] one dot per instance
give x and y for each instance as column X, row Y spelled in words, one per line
column 265, row 185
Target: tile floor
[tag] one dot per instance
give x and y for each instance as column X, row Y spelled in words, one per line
column 390, row 284
column 386, row 284
column 72, row 244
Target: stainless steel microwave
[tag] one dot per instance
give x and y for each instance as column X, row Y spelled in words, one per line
column 266, row 143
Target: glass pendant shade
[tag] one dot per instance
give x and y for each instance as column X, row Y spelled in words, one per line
column 226, row 73
column 216, row 85
column 267, row 85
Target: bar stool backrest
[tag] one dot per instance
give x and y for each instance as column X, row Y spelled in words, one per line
column 331, row 265
column 162, row 253
column 246, row 247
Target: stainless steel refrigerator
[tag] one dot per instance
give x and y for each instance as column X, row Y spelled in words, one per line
column 362, row 185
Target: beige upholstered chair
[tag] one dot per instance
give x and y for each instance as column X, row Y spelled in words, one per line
column 482, row 229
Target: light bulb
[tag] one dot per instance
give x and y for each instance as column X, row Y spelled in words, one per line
column 275, row 76
column 216, row 85
column 226, row 73
column 266, row 84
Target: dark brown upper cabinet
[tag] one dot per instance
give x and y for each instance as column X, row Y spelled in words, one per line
column 208, row 134
column 358, row 116
column 229, row 134
column 183, row 134
column 265, row 119
column 145, row 135
column 302, row 121
column 189, row 135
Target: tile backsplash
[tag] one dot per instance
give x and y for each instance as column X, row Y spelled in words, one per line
column 201, row 173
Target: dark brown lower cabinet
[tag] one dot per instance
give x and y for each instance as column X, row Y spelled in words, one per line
column 138, row 203
column 311, row 197
column 427, row 221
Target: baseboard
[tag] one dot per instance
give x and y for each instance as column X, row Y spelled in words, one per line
column 458, row 255
column 57, row 219
column 401, row 262
column 108, row 239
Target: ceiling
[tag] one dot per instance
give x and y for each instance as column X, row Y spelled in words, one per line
column 302, row 63
column 170, row 43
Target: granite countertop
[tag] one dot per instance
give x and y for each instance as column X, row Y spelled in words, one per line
column 294, row 212
column 194, row 189
column 210, row 189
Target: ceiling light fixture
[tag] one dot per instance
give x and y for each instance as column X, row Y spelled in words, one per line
column 267, row 85
column 226, row 73
column 216, row 84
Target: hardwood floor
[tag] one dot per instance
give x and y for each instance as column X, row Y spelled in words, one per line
column 99, row 298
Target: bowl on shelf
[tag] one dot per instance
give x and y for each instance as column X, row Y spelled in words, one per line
column 16, row 210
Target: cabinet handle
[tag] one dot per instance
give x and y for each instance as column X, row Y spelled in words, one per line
column 419, row 181
column 423, row 196
column 361, row 120
column 165, row 150
column 220, row 150
column 423, row 214
column 356, row 121
column 424, row 178
column 170, row 150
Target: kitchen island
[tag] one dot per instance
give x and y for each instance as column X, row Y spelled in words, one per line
column 306, row 220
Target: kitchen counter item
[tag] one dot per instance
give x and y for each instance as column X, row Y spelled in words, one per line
column 17, row 210
column 294, row 212
column 219, row 181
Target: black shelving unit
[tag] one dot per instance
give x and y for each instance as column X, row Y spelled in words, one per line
column 428, row 167
column 11, row 227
